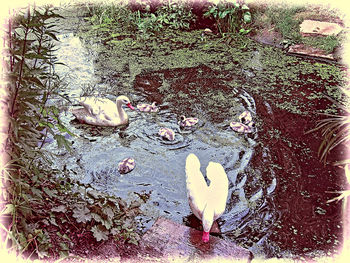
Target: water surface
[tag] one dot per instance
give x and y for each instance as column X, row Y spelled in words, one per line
column 273, row 207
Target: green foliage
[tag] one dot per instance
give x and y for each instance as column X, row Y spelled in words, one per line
column 335, row 129
column 285, row 21
column 107, row 18
column 31, row 83
column 33, row 197
column 171, row 15
column 174, row 16
column 328, row 43
column 230, row 18
column 106, row 216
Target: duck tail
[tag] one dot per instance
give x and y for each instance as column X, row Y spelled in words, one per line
column 192, row 163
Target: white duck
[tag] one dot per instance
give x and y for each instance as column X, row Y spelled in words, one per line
column 207, row 202
column 102, row 112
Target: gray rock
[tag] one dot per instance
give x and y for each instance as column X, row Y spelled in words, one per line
column 169, row 240
column 313, row 27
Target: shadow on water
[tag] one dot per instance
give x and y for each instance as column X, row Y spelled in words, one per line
column 276, row 198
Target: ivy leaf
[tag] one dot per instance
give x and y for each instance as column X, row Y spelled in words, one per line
column 107, row 223
column 114, row 231
column 64, row 253
column 53, row 221
column 224, row 14
column 108, row 211
column 99, row 233
column 97, row 217
column 82, row 214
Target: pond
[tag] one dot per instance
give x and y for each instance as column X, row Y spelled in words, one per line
column 277, row 186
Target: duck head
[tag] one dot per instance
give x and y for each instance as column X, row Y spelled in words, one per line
column 124, row 100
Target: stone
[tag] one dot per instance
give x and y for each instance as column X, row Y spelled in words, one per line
column 168, row 240
column 313, row 27
column 309, row 51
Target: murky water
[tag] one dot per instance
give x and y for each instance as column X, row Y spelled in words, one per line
column 252, row 209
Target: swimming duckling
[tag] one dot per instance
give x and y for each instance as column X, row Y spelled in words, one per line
column 148, row 107
column 126, row 165
column 242, row 128
column 167, row 133
column 245, row 117
column 245, row 125
column 187, row 122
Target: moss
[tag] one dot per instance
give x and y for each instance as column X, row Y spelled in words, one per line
column 328, row 44
column 264, row 70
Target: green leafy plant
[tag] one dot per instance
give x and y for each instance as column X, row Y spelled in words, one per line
column 170, row 15
column 147, row 23
column 107, row 216
column 39, row 206
column 230, row 18
column 110, row 19
column 285, row 21
column 174, row 16
column 31, row 82
column 107, row 17
column 335, row 130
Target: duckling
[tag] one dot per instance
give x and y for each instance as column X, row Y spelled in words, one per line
column 245, row 117
column 242, row 128
column 245, row 125
column 148, row 107
column 167, row 133
column 126, row 165
column 187, row 122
